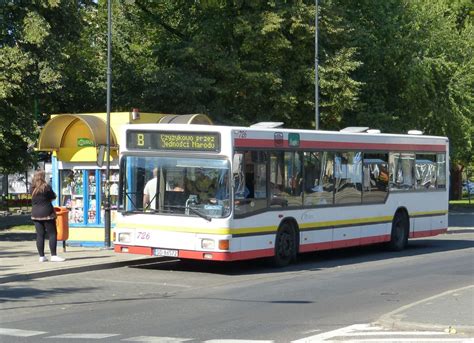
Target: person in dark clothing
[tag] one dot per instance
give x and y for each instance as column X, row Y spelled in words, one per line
column 44, row 216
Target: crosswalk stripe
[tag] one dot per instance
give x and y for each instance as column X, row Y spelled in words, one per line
column 19, row 333
column 236, row 341
column 154, row 339
column 85, row 335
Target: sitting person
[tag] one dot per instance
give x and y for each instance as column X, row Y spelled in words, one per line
column 202, row 185
column 175, row 186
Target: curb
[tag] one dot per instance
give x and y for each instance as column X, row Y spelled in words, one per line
column 456, row 230
column 79, row 269
column 399, row 324
column 394, row 319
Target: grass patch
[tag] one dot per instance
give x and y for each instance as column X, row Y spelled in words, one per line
column 462, row 204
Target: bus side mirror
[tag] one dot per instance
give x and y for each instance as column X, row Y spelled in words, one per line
column 100, row 156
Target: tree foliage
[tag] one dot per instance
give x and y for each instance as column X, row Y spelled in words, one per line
column 239, row 61
column 393, row 64
column 417, row 68
column 37, row 41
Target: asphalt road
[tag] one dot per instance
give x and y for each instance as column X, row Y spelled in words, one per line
column 195, row 302
column 461, row 219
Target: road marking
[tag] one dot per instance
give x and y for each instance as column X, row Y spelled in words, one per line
column 154, row 339
column 20, row 333
column 358, row 331
column 311, row 331
column 236, row 341
column 334, row 333
column 85, row 335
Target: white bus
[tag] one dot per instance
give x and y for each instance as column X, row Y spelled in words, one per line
column 235, row 193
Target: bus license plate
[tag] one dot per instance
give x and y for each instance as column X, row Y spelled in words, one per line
column 165, row 252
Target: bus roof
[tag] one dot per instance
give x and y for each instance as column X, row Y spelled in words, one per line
column 222, row 128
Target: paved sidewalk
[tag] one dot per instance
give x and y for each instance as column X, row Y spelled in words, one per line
column 19, row 259
column 451, row 312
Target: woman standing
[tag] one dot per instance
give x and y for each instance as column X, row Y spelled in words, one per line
column 44, row 216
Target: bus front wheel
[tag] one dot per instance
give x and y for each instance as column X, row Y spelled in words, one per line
column 399, row 235
column 285, row 245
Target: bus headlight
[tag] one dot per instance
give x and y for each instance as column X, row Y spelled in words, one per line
column 208, row 244
column 124, row 237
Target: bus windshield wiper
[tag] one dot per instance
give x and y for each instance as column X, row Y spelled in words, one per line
column 148, row 206
column 130, row 198
column 199, row 213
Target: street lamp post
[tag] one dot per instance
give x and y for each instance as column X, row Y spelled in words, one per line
column 109, row 84
column 316, row 72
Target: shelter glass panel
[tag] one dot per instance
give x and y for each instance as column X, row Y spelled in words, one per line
column 72, row 194
column 114, row 190
column 91, row 196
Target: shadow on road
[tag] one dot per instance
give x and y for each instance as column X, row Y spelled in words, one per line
column 14, row 220
column 17, row 236
column 315, row 260
column 461, row 219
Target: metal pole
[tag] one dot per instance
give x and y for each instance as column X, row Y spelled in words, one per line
column 316, row 72
column 109, row 84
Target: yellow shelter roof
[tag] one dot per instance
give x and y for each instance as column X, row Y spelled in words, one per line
column 76, row 137
column 60, row 131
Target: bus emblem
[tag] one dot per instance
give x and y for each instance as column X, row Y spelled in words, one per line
column 278, row 138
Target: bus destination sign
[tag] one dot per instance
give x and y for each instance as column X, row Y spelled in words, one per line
column 172, row 140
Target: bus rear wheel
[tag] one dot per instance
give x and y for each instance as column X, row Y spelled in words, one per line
column 285, row 245
column 399, row 235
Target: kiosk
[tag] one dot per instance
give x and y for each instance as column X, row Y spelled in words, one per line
column 74, row 141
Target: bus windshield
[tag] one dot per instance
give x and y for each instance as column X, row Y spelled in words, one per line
column 173, row 185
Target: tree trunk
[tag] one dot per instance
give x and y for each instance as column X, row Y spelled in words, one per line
column 455, row 191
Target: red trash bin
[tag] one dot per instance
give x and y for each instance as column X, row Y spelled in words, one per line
column 62, row 223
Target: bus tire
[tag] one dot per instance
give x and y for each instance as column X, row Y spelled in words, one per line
column 399, row 235
column 285, row 245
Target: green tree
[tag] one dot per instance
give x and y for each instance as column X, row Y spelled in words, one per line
column 418, row 70
column 238, row 61
column 37, row 39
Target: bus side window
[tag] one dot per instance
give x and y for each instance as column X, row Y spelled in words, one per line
column 250, row 170
column 375, row 178
column 348, row 173
column 402, row 171
column 441, row 170
column 425, row 171
column 293, row 178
